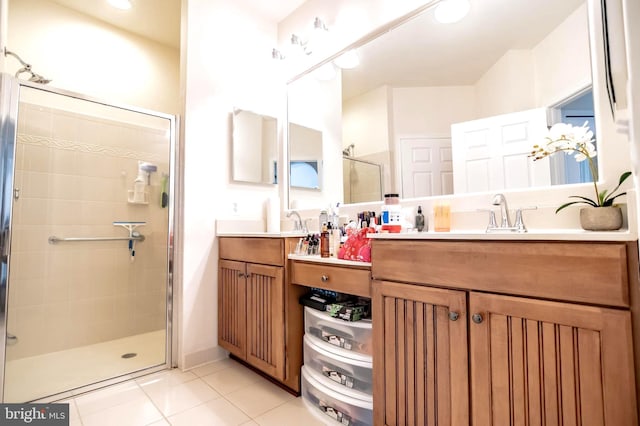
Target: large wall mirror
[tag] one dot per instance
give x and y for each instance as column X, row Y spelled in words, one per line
column 431, row 106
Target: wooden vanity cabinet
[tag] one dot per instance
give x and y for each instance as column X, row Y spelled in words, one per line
column 531, row 359
column 251, row 301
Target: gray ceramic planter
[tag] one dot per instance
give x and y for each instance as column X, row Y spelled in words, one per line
column 601, row 218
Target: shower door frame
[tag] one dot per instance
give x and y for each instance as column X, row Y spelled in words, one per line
column 10, row 88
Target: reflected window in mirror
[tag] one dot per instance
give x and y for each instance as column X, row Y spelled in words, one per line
column 254, row 153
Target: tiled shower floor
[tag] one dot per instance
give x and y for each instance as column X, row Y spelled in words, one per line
column 32, row 378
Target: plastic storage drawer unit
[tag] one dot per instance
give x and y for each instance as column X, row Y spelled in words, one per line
column 345, row 408
column 345, row 369
column 354, row 336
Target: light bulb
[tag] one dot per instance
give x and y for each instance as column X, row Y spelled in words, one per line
column 120, row 4
column 347, row 60
column 450, row 11
column 325, row 73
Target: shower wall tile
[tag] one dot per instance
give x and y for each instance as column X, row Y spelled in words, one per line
column 74, row 176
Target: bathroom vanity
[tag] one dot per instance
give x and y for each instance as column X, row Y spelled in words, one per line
column 465, row 330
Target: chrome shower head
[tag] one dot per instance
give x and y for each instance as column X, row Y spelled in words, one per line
column 36, row 78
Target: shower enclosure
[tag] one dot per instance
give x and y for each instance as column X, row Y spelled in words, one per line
column 85, row 294
column 361, row 180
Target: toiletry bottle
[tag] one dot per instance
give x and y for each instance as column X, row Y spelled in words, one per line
column 323, row 219
column 391, row 213
column 324, row 242
column 139, row 186
column 332, row 236
column 419, row 220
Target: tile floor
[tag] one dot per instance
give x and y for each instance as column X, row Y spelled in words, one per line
column 221, row 393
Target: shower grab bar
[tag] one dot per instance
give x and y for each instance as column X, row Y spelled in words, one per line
column 54, row 240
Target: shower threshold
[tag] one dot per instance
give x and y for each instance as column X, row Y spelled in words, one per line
column 36, row 377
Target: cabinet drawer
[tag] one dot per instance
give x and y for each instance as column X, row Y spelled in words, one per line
column 343, row 407
column 329, row 277
column 268, row 251
column 354, row 336
column 587, row 272
column 345, row 369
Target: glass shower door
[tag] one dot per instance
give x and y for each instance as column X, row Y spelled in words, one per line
column 88, row 276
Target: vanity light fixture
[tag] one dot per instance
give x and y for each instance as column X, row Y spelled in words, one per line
column 276, row 54
column 347, row 60
column 120, row 4
column 451, row 11
column 299, row 47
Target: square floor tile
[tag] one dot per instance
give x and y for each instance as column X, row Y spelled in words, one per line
column 138, row 412
column 231, row 379
column 259, row 397
column 170, row 377
column 172, row 399
column 212, row 367
column 108, row 397
column 284, row 415
column 219, row 412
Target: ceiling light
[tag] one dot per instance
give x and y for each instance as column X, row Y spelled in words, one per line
column 120, row 4
column 325, row 73
column 347, row 60
column 450, row 11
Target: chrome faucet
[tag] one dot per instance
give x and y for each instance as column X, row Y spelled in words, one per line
column 298, row 224
column 500, row 200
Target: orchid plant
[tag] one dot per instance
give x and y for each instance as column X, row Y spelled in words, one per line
column 579, row 142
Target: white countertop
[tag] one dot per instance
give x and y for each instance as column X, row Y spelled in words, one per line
column 532, row 235
column 296, row 234
column 327, row 260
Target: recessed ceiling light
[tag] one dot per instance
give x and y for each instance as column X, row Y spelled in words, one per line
column 450, row 11
column 121, row 4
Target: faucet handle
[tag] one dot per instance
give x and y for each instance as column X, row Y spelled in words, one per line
column 519, row 225
column 493, row 224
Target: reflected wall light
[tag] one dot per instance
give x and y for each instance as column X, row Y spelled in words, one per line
column 451, row 11
column 347, row 60
column 325, row 73
column 120, row 4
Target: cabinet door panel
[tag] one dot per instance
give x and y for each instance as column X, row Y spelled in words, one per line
column 420, row 355
column 232, row 328
column 265, row 319
column 539, row 362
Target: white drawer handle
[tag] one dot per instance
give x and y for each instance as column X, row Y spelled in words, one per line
column 324, row 278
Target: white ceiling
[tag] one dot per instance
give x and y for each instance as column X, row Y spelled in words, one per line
column 159, row 20
column 420, row 52
column 423, row 52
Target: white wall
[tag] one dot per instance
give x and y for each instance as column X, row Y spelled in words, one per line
column 561, row 61
column 84, row 55
column 508, row 86
column 228, row 63
column 366, row 122
column 431, row 110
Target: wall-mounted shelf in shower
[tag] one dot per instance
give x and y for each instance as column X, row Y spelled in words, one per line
column 133, row 198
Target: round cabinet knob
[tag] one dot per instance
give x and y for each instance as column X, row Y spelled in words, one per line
column 240, row 274
column 324, row 278
column 453, row 316
column 477, row 318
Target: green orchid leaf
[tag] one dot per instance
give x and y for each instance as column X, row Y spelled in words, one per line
column 602, row 196
column 585, row 200
column 609, row 202
column 590, row 202
column 608, row 199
